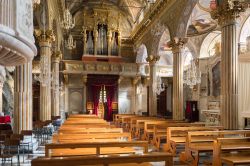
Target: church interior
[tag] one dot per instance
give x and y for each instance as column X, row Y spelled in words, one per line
column 125, row 82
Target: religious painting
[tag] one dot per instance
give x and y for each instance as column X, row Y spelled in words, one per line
column 216, row 80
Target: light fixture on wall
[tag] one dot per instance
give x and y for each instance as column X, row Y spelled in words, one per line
column 68, row 22
column 193, row 75
column 70, row 43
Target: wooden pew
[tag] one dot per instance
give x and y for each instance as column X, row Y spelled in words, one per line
column 139, row 127
column 223, row 147
column 132, row 125
column 58, row 138
column 202, row 141
column 87, row 126
column 83, row 116
column 90, row 148
column 130, row 160
column 160, row 130
column 177, row 136
column 117, row 118
column 148, row 130
column 90, row 130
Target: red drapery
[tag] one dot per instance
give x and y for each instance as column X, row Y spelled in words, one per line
column 110, row 91
column 96, row 91
column 110, row 96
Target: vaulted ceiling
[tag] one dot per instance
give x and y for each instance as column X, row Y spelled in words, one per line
column 132, row 8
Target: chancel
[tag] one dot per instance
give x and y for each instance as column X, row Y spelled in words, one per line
column 124, row 82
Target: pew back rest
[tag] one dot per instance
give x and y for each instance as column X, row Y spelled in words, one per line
column 96, row 145
column 226, row 145
column 120, row 136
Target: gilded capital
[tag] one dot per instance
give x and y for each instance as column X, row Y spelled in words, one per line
column 177, row 43
column 228, row 11
column 47, row 36
column 84, row 79
column 135, row 80
column 152, row 59
column 57, row 56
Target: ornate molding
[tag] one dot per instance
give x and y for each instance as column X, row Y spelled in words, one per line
column 228, row 11
column 153, row 59
column 56, row 56
column 177, row 43
column 122, row 69
column 47, row 36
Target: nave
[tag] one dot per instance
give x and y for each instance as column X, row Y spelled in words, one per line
column 102, row 82
column 133, row 139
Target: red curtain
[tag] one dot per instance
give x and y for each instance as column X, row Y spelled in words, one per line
column 110, row 94
column 110, row 97
column 96, row 92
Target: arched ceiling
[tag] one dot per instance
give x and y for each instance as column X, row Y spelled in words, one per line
column 200, row 21
column 131, row 8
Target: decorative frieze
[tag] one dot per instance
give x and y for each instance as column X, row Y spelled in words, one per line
column 126, row 69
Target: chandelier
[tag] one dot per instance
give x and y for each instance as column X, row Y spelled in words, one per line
column 160, row 86
column 44, row 77
column 193, row 75
column 68, row 22
column 70, row 43
column 103, row 95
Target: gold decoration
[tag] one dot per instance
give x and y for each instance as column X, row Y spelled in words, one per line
column 228, row 11
column 57, row 56
column 177, row 43
column 152, row 58
column 47, row 36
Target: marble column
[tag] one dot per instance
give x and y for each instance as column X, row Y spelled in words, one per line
column 152, row 85
column 227, row 14
column 177, row 46
column 23, row 98
column 84, row 79
column 45, row 40
column 55, row 105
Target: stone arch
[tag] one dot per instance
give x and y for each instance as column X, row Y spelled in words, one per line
column 182, row 23
column 244, row 35
column 210, row 45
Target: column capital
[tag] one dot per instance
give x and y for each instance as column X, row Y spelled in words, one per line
column 66, row 79
column 135, row 80
column 152, row 59
column 84, row 79
column 177, row 43
column 120, row 79
column 47, row 36
column 56, row 56
column 228, row 11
